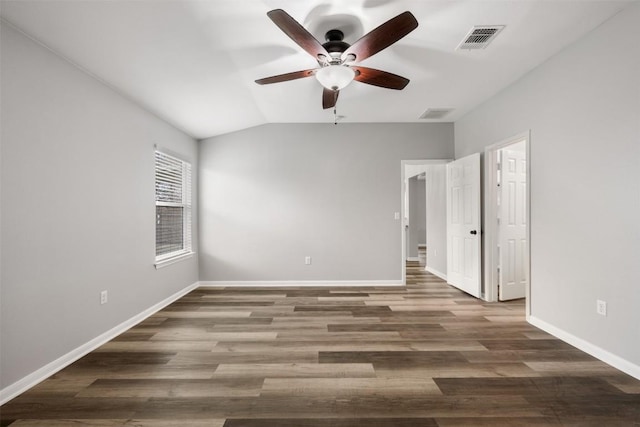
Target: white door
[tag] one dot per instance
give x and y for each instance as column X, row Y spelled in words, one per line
column 512, row 228
column 463, row 224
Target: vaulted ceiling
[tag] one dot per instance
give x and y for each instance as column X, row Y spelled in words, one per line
column 194, row 63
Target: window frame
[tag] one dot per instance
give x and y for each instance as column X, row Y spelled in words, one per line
column 187, row 205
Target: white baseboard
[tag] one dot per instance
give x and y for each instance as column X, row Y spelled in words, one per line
column 51, row 368
column 291, row 283
column 595, row 351
column 413, row 258
column 436, row 272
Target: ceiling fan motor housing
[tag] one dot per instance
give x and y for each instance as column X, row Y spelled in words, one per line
column 334, row 42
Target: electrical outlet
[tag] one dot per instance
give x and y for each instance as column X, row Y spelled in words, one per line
column 103, row 297
column 601, row 307
column 307, row 260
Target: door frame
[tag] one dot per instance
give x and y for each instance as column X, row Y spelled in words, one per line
column 403, row 173
column 491, row 213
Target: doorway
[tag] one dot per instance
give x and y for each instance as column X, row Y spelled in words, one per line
column 506, row 220
column 432, row 184
column 415, row 216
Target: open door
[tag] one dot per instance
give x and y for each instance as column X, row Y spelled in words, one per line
column 512, row 227
column 463, row 225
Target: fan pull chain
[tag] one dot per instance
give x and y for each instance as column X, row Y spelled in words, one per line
column 335, row 116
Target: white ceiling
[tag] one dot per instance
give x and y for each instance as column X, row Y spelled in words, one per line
column 194, row 63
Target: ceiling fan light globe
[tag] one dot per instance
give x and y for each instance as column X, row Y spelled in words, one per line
column 335, row 77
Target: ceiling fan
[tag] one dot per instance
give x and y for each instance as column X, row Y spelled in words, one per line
column 337, row 59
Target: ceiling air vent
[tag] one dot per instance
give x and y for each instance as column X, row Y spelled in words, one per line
column 435, row 113
column 480, row 36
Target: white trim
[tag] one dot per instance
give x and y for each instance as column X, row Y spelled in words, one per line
column 51, row 368
column 435, row 272
column 172, row 260
column 293, row 283
column 413, row 258
column 595, row 351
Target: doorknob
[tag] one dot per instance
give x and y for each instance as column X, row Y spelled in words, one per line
column 473, row 232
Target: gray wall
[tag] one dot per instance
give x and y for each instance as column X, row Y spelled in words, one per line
column 417, row 216
column 583, row 110
column 272, row 194
column 77, row 174
column 436, row 195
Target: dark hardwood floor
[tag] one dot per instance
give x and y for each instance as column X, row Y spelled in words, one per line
column 421, row 355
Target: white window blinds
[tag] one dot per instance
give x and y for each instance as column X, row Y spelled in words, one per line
column 173, row 206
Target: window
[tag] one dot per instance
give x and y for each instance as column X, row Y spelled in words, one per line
column 173, row 209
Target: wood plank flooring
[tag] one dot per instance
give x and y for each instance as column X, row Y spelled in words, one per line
column 421, row 355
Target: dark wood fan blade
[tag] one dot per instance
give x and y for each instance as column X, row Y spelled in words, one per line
column 380, row 78
column 382, row 37
column 286, row 77
column 329, row 98
column 298, row 34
